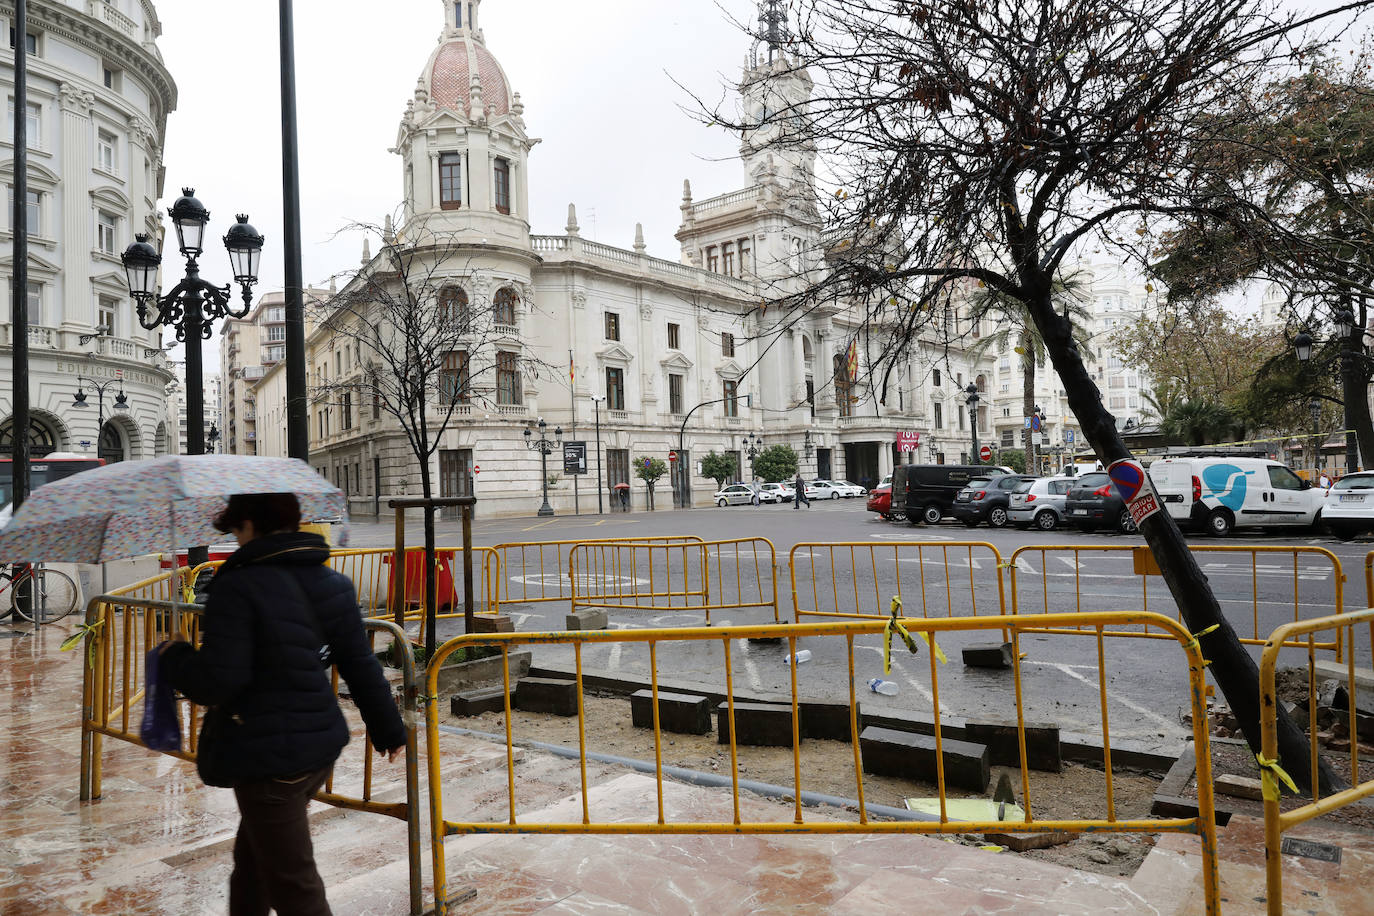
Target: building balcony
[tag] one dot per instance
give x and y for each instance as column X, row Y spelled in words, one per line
column 250, row 436
column 112, row 17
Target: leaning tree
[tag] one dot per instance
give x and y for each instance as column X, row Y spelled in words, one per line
column 988, row 144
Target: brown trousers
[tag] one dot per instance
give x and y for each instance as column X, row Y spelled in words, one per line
column 274, row 862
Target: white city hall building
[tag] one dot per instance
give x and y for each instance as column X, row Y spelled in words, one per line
column 579, row 329
column 97, row 105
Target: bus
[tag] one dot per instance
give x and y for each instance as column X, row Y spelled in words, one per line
column 52, row 466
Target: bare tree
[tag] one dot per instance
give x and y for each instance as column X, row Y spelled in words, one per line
column 432, row 344
column 988, row 144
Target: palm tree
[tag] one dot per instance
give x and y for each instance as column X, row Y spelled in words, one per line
column 1014, row 321
column 1197, row 422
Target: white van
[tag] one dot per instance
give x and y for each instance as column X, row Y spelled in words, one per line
column 1218, row 494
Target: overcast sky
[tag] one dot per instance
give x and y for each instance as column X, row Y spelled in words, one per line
column 596, row 79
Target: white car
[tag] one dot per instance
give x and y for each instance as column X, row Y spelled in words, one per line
column 823, row 489
column 849, row 490
column 783, row 491
column 1349, row 507
column 741, row 494
column 1217, row 494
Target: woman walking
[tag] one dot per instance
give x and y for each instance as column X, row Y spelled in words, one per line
column 275, row 620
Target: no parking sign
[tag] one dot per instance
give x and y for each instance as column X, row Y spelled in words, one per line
column 1133, row 484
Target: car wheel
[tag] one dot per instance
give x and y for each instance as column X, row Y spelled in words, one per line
column 1343, row 532
column 931, row 515
column 997, row 517
column 722, row 502
column 1124, row 523
column 834, row 494
column 1046, row 520
column 1220, row 523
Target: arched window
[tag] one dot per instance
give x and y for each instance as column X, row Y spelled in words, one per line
column 453, row 307
column 111, row 444
column 503, row 306
column 807, row 353
column 980, row 383
column 41, row 438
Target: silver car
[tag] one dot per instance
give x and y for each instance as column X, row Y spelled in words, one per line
column 1039, row 502
column 741, row 494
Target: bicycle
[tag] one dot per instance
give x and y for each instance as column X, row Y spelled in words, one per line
column 36, row 594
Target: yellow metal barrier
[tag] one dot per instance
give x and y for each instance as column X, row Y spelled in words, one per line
column 371, row 571
column 531, row 565
column 825, row 575
column 694, row 576
column 1296, row 568
column 1276, row 821
column 119, row 631
column 1203, row 825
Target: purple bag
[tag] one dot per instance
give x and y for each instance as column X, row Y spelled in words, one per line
column 161, row 729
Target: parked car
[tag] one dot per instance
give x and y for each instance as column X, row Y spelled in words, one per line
column 742, row 494
column 783, row 491
column 848, row 490
column 1039, row 502
column 925, row 492
column 880, row 501
column 885, row 482
column 1349, row 507
column 823, row 489
column 1218, row 494
column 986, row 499
column 1093, row 501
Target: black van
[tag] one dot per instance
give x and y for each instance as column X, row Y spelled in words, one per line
column 928, row 490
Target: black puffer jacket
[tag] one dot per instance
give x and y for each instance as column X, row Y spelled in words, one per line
column 270, row 607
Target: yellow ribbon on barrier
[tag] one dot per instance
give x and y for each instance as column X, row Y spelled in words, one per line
column 935, row 647
column 1269, row 784
column 1194, row 644
column 83, row 630
column 893, row 624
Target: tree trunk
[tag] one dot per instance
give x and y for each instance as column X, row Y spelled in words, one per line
column 1234, row 671
column 1028, row 402
column 1355, row 391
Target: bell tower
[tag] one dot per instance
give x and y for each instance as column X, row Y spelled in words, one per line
column 776, row 96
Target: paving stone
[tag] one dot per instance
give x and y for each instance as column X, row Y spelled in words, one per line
column 475, row 702
column 492, row 623
column 1042, row 743
column 546, row 694
column 588, row 618
column 759, row 724
column 988, row 655
column 684, row 713
column 888, row 752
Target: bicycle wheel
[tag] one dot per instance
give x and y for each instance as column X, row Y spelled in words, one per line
column 44, row 595
column 6, row 595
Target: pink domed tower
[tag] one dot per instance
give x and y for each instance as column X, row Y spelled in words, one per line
column 462, row 140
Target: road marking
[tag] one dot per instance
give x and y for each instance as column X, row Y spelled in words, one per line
column 1134, row 707
column 539, row 525
column 916, row 685
column 1070, row 562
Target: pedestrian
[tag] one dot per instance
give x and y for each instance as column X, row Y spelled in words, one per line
column 276, row 618
column 801, row 493
column 1324, row 482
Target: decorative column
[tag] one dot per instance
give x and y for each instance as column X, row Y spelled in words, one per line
column 74, row 229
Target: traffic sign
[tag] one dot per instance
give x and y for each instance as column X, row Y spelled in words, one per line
column 646, row 464
column 1068, row 436
column 1028, row 423
column 1035, row 422
column 672, row 456
column 985, row 454
column 476, row 469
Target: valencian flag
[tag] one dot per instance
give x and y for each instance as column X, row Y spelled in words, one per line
column 851, row 359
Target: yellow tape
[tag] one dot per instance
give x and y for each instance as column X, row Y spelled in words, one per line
column 1269, row 785
column 895, row 625
column 1194, row 644
column 84, row 630
column 939, row 653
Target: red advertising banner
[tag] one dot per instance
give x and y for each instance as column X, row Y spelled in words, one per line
column 908, row 442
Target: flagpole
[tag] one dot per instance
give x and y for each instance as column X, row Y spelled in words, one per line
column 572, row 389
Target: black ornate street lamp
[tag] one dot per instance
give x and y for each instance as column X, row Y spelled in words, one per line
column 212, row 437
column 971, row 399
column 1352, row 349
column 544, row 446
column 752, row 445
column 121, row 402
column 193, row 304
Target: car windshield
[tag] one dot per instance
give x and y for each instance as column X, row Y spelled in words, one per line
column 1355, row 482
column 1024, row 486
column 977, row 482
column 1093, row 481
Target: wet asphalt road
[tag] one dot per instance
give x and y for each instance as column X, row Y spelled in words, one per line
column 1146, row 679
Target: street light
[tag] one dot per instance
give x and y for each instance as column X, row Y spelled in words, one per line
column 544, row 447
column 600, row 480
column 1314, row 407
column 751, row 445
column 1352, row 350
column 121, row 402
column 193, row 304
column 212, row 437
column 972, row 399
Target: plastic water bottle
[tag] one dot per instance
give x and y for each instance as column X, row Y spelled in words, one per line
column 886, row 688
column 803, row 655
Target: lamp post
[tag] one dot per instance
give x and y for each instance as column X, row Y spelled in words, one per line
column 121, row 402
column 544, row 447
column 600, row 480
column 751, row 444
column 1352, row 350
column 971, row 399
column 212, row 437
column 193, row 304
column 1314, row 407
